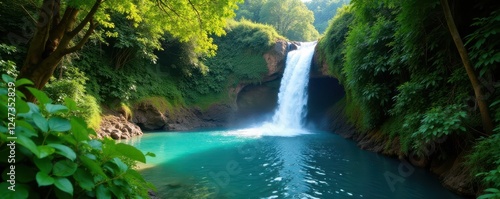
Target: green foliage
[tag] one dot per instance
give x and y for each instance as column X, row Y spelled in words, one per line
column 57, row 157
column 324, row 11
column 138, row 79
column 484, row 43
column 144, row 23
column 256, row 37
column 72, row 86
column 238, row 60
column 332, row 44
column 159, row 103
column 365, row 77
column 437, row 123
column 7, row 66
column 485, row 163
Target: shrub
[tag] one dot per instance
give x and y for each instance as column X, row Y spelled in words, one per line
column 73, row 86
column 55, row 156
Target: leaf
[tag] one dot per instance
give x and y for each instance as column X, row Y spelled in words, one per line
column 21, row 106
column 120, row 165
column 55, row 108
column 44, row 151
column 23, row 81
column 64, row 151
column 40, row 96
column 92, row 166
column 492, row 190
column 96, row 144
column 6, row 78
column 135, row 174
column 20, row 193
column 102, row 192
column 130, row 152
column 41, row 122
column 59, row 124
column 78, row 129
column 70, row 104
column 64, row 168
column 25, row 128
column 150, row 154
column 84, row 179
column 43, row 179
column 44, row 164
column 28, row 143
column 64, row 184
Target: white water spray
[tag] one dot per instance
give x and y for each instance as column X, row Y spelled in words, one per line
column 292, row 97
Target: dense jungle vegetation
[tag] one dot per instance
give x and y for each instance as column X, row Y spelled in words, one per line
column 405, row 78
column 397, row 61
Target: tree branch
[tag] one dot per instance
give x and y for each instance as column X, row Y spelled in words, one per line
column 87, row 19
column 197, row 13
column 82, row 42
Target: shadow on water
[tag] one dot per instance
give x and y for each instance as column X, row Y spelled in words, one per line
column 319, row 165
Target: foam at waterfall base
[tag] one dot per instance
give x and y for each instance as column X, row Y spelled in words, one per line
column 268, row 129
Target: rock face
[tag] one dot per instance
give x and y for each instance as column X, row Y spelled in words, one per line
column 275, row 59
column 150, row 118
column 181, row 118
column 117, row 127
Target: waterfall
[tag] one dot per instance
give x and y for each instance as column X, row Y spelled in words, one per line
column 292, row 97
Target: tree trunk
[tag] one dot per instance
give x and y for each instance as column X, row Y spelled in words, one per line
column 481, row 101
column 51, row 41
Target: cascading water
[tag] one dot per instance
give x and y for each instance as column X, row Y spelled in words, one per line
column 292, row 97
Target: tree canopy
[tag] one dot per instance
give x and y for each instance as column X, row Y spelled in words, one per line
column 324, row 11
column 291, row 18
column 63, row 27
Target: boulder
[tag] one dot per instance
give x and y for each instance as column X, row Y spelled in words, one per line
column 148, row 117
column 117, row 127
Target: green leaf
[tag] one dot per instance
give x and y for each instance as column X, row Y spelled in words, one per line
column 20, row 193
column 64, row 168
column 84, row 179
column 43, row 179
column 70, row 104
column 78, row 129
column 64, row 151
column 23, row 81
column 102, row 192
column 64, row 185
column 122, row 167
column 96, row 144
column 25, row 128
column 135, row 174
column 150, row 154
column 41, row 122
column 92, row 166
column 55, row 108
column 130, row 152
column 21, row 106
column 44, row 164
column 28, row 143
column 492, row 190
column 40, row 96
column 59, row 124
column 44, row 151
column 6, row 78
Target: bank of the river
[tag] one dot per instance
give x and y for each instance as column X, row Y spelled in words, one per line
column 451, row 171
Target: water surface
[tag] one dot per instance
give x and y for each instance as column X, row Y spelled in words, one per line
column 242, row 164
